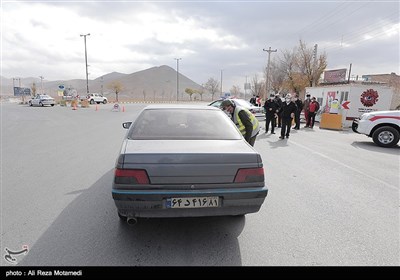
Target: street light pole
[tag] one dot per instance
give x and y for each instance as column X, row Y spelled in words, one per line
column 41, row 83
column 87, row 74
column 177, row 77
column 221, row 81
column 267, row 78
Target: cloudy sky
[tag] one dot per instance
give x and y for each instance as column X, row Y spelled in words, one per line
column 42, row 38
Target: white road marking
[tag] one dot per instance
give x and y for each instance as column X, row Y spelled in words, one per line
column 347, row 166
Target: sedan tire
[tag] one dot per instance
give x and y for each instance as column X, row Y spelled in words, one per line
column 386, row 136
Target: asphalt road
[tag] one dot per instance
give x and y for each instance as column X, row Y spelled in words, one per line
column 333, row 199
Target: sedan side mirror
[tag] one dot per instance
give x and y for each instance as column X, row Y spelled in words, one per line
column 126, row 125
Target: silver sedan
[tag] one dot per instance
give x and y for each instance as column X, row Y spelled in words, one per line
column 186, row 161
column 42, row 100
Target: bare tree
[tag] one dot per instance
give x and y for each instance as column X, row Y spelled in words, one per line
column 34, row 89
column 115, row 86
column 212, row 86
column 277, row 77
column 235, row 91
column 310, row 68
column 201, row 91
column 256, row 86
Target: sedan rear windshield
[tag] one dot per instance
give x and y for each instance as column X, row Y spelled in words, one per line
column 157, row 124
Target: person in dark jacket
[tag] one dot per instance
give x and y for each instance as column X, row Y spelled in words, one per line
column 299, row 105
column 271, row 109
column 287, row 114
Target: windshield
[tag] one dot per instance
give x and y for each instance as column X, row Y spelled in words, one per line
column 183, row 124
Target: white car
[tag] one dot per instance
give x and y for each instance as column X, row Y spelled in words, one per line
column 42, row 100
column 258, row 112
column 382, row 126
column 96, row 98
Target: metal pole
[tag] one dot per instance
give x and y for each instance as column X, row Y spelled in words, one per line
column 87, row 74
column 41, row 83
column 221, row 81
column 267, row 78
column 177, row 77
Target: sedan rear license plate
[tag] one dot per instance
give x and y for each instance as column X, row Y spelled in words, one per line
column 192, row 202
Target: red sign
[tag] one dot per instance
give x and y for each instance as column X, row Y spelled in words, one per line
column 344, row 105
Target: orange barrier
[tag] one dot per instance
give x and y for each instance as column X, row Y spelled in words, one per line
column 331, row 121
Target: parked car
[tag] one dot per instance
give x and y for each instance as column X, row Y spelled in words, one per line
column 186, row 161
column 96, row 98
column 257, row 111
column 382, row 126
column 42, row 100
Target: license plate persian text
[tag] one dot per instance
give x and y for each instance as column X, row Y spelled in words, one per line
column 192, row 202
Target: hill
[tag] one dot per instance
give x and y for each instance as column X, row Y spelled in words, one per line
column 156, row 83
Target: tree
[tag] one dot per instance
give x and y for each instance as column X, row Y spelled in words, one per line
column 311, row 68
column 257, row 86
column 201, row 92
column 190, row 92
column 296, row 69
column 33, row 88
column 235, row 91
column 212, row 86
column 277, row 77
column 115, row 86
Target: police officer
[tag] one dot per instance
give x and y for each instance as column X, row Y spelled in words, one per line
column 288, row 110
column 245, row 121
column 271, row 109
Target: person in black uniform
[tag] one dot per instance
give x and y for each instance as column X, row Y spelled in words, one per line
column 287, row 113
column 299, row 105
column 271, row 109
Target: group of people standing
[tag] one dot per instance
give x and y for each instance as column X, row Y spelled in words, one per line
column 280, row 113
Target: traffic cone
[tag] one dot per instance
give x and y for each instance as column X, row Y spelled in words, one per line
column 123, row 108
column 74, row 108
column 96, row 108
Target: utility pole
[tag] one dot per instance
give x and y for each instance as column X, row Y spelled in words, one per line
column 245, row 88
column 87, row 74
column 177, row 77
column 221, row 81
column 41, row 83
column 267, row 78
column 314, row 65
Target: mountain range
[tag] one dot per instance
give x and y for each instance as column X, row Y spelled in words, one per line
column 156, row 83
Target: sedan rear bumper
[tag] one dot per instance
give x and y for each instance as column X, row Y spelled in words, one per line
column 153, row 204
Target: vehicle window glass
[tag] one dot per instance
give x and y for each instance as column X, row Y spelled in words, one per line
column 182, row 124
column 243, row 103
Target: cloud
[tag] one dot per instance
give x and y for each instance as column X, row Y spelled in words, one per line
column 43, row 38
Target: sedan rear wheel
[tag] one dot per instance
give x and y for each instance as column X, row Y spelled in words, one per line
column 386, row 136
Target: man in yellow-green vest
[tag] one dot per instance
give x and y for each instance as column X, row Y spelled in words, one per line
column 245, row 121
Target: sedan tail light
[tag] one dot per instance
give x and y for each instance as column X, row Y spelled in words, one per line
column 131, row 176
column 249, row 175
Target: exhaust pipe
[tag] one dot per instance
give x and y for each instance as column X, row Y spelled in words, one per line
column 131, row 221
